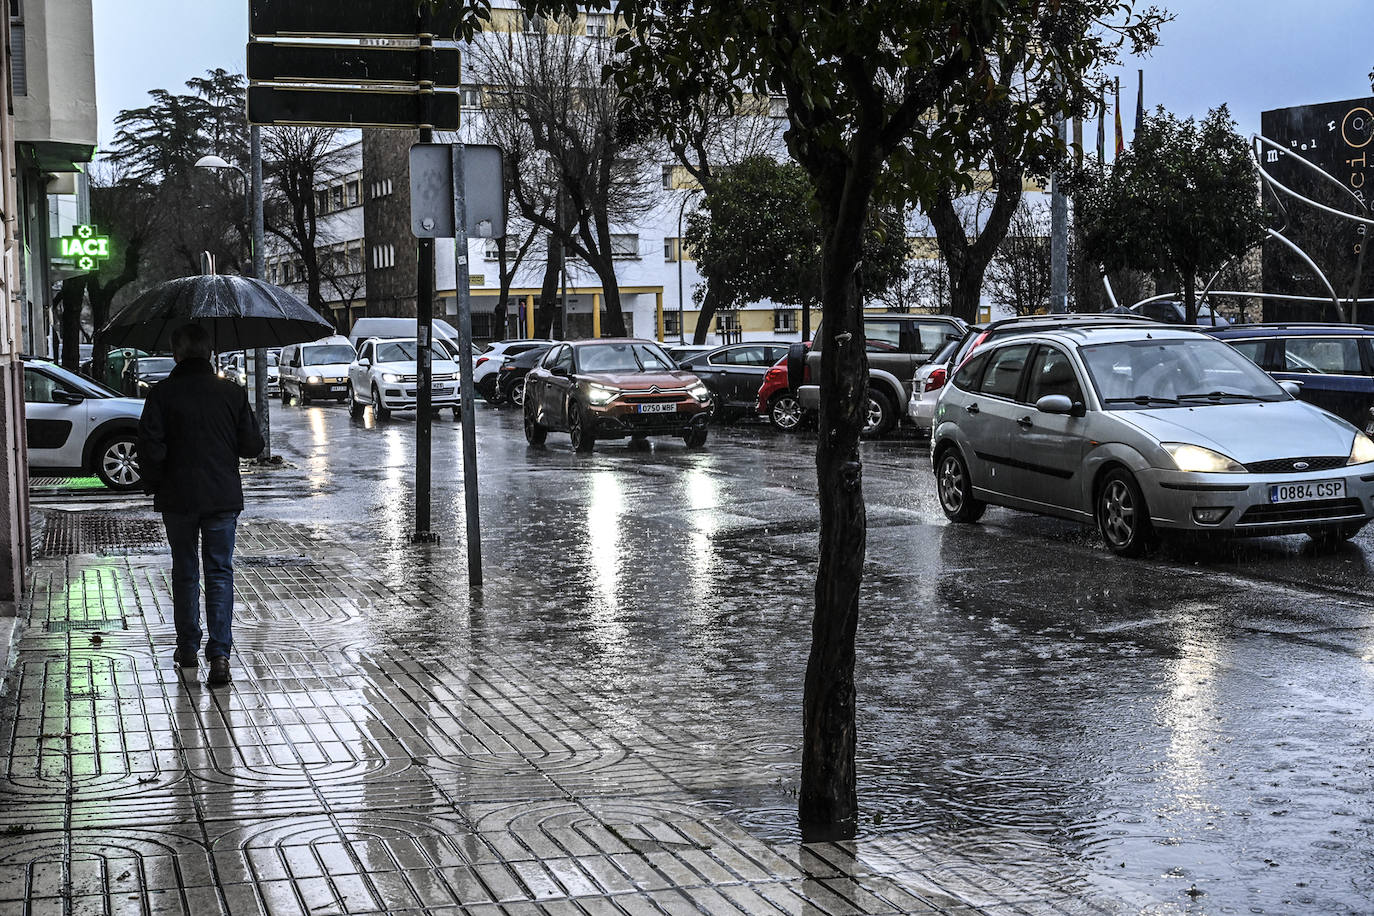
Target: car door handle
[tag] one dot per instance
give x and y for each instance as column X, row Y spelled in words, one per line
column 972, row 408
column 1024, row 423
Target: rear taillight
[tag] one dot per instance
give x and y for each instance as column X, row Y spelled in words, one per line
column 775, row 375
column 936, row 380
column 480, row 360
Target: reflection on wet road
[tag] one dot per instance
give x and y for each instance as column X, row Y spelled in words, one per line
column 1200, row 721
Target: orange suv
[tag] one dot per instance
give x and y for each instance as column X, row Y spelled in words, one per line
column 612, row 388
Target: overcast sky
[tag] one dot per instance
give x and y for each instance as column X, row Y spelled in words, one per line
column 1251, row 54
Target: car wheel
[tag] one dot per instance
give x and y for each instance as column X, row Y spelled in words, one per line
column 285, row 398
column 378, row 408
column 535, row 434
column 955, row 488
column 785, row 411
column 516, row 394
column 880, row 417
column 695, row 437
column 116, row 462
column 303, row 398
column 1123, row 517
column 355, row 410
column 582, row 438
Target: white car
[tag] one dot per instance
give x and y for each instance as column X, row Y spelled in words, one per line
column 316, row 370
column 236, row 370
column 384, row 375
column 77, row 427
column 926, row 384
column 486, row 371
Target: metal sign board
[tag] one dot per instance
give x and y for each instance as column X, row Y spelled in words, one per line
column 355, row 18
column 272, row 62
column 1335, row 136
column 431, row 191
column 273, row 105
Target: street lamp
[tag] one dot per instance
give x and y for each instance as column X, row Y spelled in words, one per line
column 217, row 163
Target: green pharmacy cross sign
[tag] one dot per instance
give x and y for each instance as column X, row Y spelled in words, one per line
column 84, row 247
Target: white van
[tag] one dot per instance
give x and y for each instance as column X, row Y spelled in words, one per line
column 316, row 370
column 386, row 328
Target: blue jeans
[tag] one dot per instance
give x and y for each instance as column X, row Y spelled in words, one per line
column 187, row 534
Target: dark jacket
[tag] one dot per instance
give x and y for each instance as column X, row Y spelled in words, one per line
column 195, row 427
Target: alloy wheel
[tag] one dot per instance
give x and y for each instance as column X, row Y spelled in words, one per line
column 952, row 483
column 119, row 463
column 786, row 412
column 875, row 416
column 517, row 394
column 1118, row 513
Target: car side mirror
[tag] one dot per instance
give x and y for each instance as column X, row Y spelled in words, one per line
column 1055, row 403
column 1292, row 387
column 685, row 367
column 62, row 396
column 558, row 371
column 364, row 361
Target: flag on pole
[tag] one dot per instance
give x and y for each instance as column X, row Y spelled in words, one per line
column 1140, row 104
column 1120, row 138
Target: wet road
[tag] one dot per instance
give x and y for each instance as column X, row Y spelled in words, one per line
column 1195, row 727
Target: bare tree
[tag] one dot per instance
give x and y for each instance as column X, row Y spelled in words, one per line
column 296, row 161
column 573, row 169
column 1019, row 275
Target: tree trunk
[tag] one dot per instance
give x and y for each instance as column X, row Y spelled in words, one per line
column 710, row 304
column 503, row 271
column 548, row 291
column 73, row 296
column 967, row 261
column 1189, row 297
column 613, row 325
column 828, row 801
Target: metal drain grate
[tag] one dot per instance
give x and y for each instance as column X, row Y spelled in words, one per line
column 66, row 626
column 274, row 562
column 67, row 533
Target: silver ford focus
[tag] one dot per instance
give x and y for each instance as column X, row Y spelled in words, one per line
column 1145, row 429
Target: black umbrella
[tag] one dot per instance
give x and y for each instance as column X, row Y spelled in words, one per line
column 239, row 312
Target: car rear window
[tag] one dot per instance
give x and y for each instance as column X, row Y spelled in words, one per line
column 1003, row 375
column 971, row 372
column 1322, row 355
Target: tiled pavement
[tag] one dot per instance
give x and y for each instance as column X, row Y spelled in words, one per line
column 379, row 752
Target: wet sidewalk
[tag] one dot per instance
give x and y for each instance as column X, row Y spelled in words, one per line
column 391, row 744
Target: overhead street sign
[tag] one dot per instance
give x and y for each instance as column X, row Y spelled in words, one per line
column 272, row 62
column 352, row 18
column 274, row 105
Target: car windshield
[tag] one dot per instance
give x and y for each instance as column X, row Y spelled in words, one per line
column 159, row 364
column 398, row 351
column 322, row 356
column 623, row 357
column 80, row 382
column 1175, row 372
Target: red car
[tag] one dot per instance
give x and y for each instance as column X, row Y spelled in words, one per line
column 778, row 402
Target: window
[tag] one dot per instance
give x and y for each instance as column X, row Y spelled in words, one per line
column 321, row 201
column 383, row 256
column 470, row 97
column 40, row 388
column 670, row 323
column 381, row 188
column 727, row 321
column 564, row 359
column 671, row 249
column 355, row 190
column 596, row 26
column 336, row 197
column 784, row 319
column 931, row 335
column 625, row 246
column 1052, row 373
column 1322, row 355
column 777, row 107
column 1255, row 351
column 970, row 374
column 1004, row 371
column 536, row 25
column 668, row 176
column 19, row 82
column 744, row 356
column 883, row 336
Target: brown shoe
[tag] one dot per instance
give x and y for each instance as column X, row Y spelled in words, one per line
column 219, row 671
column 185, row 658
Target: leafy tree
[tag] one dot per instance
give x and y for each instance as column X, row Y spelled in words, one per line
column 757, row 235
column 1182, row 201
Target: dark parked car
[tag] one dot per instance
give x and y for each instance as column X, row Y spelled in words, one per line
column 1334, row 363
column 609, row 389
column 1171, row 312
column 142, row 373
column 734, row 373
column 510, row 378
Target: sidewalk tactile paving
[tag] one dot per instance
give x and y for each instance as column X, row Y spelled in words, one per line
column 374, row 756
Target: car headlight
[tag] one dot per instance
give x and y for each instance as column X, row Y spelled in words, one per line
column 390, row 377
column 312, row 379
column 700, row 392
column 601, row 394
column 1361, row 450
column 1201, row 460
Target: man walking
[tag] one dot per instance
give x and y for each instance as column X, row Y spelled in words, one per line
column 195, row 427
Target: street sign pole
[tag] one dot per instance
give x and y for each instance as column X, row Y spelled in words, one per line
column 424, row 313
column 460, row 273
column 259, row 268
